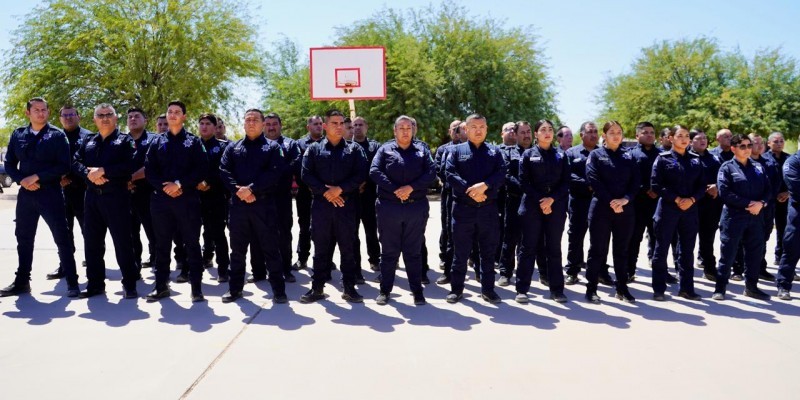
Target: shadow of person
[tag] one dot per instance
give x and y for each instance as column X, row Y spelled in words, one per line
column 361, row 315
column 510, row 315
column 281, row 316
column 576, row 311
column 39, row 313
column 199, row 317
column 726, row 309
column 114, row 315
column 430, row 315
column 652, row 313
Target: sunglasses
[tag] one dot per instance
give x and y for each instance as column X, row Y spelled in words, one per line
column 745, row 146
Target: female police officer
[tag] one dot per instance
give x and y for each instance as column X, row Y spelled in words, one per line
column 744, row 188
column 544, row 177
column 614, row 178
column 402, row 170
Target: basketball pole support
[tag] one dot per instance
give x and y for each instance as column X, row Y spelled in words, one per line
column 352, row 108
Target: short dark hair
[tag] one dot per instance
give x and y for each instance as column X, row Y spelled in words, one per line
column 644, row 124
column 179, row 104
column 261, row 113
column 676, row 128
column 584, row 125
column 541, row 122
column 333, row 113
column 695, row 132
column 559, row 131
column 311, row 118
column 275, row 116
column 737, row 138
column 474, row 116
column 664, row 132
column 138, row 110
column 30, row 102
column 67, row 106
column 611, row 123
column 520, row 124
column 210, row 117
column 347, row 119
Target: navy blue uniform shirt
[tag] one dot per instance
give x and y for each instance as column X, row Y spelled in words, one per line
column 439, row 160
column 297, row 164
column 544, row 173
column 740, row 184
column 612, row 174
column 467, row 165
column 370, row 148
column 512, row 155
column 773, row 173
column 45, row 154
column 576, row 158
column 711, row 164
column 291, row 153
column 676, row 175
column 343, row 165
column 791, row 173
column 214, row 148
column 115, row 154
column 75, row 138
column 142, row 146
column 258, row 163
column 722, row 156
column 394, row 167
column 179, row 157
column 644, row 159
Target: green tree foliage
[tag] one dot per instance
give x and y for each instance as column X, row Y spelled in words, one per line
column 695, row 83
column 129, row 53
column 441, row 64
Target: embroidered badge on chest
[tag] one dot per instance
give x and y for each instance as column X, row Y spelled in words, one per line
column 187, row 142
column 89, row 145
column 117, row 142
column 265, row 148
column 215, row 150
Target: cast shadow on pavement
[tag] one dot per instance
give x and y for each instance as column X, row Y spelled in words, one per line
column 281, row 316
column 430, row 315
column 199, row 317
column 37, row 312
column 115, row 315
column 361, row 315
column 506, row 314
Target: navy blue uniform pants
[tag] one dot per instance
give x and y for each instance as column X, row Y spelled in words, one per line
column 171, row 216
column 108, row 212
column 670, row 220
column 781, row 215
column 470, row 222
column 447, row 229
column 535, row 226
column 644, row 208
column 709, row 211
column 367, row 217
column 512, row 229
column 576, row 232
column 400, row 228
column 604, row 223
column 331, row 226
column 736, row 228
column 47, row 202
column 791, row 247
column 141, row 219
column 284, row 218
column 73, row 197
column 255, row 225
column 214, row 214
column 303, row 204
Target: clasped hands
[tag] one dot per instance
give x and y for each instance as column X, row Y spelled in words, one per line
column 477, row 192
column 684, row 203
column 618, row 204
column 172, row 189
column 334, row 195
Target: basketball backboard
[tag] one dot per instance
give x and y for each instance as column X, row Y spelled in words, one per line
column 348, row 73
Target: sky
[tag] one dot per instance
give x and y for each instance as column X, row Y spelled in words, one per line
column 584, row 41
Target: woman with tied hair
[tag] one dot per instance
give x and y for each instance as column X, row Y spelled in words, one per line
column 544, row 177
column 614, row 177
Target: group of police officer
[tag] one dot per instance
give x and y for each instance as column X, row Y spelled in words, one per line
column 503, row 206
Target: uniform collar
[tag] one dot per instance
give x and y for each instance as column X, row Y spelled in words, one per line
column 180, row 136
column 111, row 137
column 326, row 143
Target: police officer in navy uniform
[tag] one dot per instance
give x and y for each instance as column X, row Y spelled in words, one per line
column 176, row 163
column 744, row 188
column 304, row 195
column 213, row 200
column 37, row 157
column 367, row 197
column 791, row 239
column 446, row 203
column 105, row 161
column 709, row 207
column 614, row 177
column 723, row 150
column 475, row 171
column 252, row 170
column 283, row 198
column 512, row 229
column 544, row 177
column 74, row 187
column 402, row 170
column 775, row 143
column 644, row 205
column 333, row 169
column 140, row 189
column 678, row 180
column 775, row 176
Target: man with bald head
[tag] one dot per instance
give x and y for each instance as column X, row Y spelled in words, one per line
column 723, row 150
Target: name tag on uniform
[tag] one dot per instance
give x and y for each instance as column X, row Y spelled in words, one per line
column 464, row 157
column 536, row 158
column 603, row 158
column 577, row 159
column 89, row 145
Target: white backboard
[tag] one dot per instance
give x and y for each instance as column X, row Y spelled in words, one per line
column 344, row 73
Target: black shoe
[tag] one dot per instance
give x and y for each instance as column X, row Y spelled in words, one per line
column 333, row 266
column 374, row 267
column 625, row 296
column 756, row 293
column 631, row 278
column 254, row 279
column 453, row 298
column 659, row 297
column 158, row 294
column 544, row 281
column 15, row 289
column 183, row 277
column 425, row 279
column 351, row 295
column 442, row 265
column 766, row 276
column 312, row 296
column 130, row 293
column 419, row 299
column 73, row 292
column 689, row 295
column 382, row 299
column 83, row 264
column 90, row 293
column 443, row 280
column 197, row 297
column 289, row 277
column 298, row 265
column 208, row 263
column 231, row 296
column 606, row 280
column 737, row 277
column 57, row 274
column 710, row 277
column 592, row 297
column 671, row 279
column 377, row 278
column 558, row 297
column 223, row 278
column 491, row 297
column 146, row 264
column 360, row 280
column 572, row 280
column 280, row 298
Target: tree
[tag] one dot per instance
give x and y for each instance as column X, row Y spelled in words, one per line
column 441, row 64
column 129, row 53
column 694, row 83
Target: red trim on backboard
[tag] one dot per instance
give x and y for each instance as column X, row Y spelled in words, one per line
column 311, row 76
column 336, row 74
